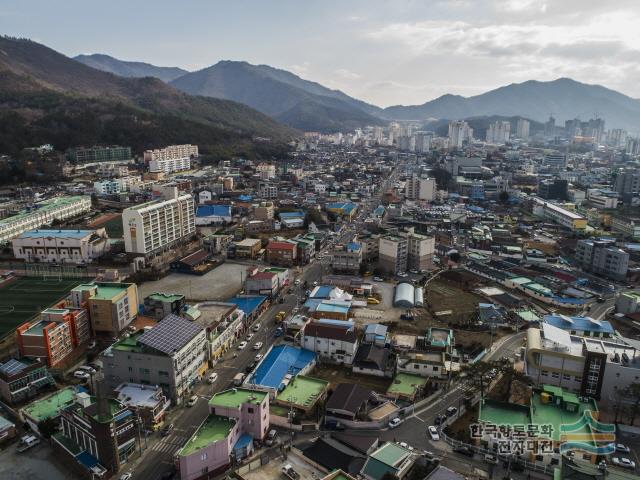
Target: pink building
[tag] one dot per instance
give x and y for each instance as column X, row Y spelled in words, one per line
column 236, row 418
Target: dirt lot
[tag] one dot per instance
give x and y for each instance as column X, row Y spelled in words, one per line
column 443, row 295
column 336, row 374
column 220, row 283
column 273, row 469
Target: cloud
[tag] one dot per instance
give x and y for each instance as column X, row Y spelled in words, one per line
column 346, row 74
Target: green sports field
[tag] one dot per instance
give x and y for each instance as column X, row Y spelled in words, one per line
column 23, row 298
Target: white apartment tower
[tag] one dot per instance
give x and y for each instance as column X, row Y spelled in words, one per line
column 459, row 132
column 418, row 188
column 499, row 132
column 155, row 226
column 522, row 128
column 174, row 158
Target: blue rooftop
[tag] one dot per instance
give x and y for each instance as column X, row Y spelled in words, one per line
column 213, row 211
column 56, row 233
column 332, row 307
column 586, row 324
column 296, row 214
column 346, row 207
column 280, row 361
column 244, row 440
column 248, row 304
column 322, row 291
column 353, row 247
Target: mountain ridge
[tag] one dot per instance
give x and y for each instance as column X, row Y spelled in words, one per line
column 129, row 69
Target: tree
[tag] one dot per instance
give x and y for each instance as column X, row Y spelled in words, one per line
column 479, row 375
column 503, row 197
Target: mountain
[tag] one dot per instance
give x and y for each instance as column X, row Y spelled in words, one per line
column 563, row 98
column 282, row 95
column 124, row 68
column 46, row 97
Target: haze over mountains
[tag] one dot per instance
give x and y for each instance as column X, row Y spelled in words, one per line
column 46, row 97
column 129, row 69
column 307, row 105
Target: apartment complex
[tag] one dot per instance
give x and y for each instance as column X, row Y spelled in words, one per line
column 418, row 188
column 406, row 251
column 54, row 336
column 171, row 152
column 156, row 226
column 43, row 213
column 99, row 154
column 170, row 165
column 173, row 355
column 111, row 306
column 347, row 258
column 97, row 435
column 236, row 418
column 61, row 246
column 602, row 257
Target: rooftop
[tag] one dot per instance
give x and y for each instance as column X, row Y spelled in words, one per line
column 137, row 395
column 406, row 384
column 51, row 405
column 171, row 334
column 587, row 324
column 303, row 391
column 129, row 344
column 237, row 396
column 213, row 429
column 166, row 297
column 78, row 234
column 390, row 454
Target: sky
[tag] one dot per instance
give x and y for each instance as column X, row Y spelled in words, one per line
column 384, row 52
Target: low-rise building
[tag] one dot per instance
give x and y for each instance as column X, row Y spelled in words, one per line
column 347, row 258
column 602, row 257
column 61, row 246
column 390, row 459
column 22, row 379
column 237, row 418
column 282, row 253
column 173, row 355
column 112, row 306
column 147, row 402
column 159, row 305
column 213, row 215
column 335, row 342
column 54, row 336
column 431, row 364
column 628, row 302
column 248, row 248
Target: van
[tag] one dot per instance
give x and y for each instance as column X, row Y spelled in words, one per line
column 212, row 377
column 27, row 442
column 272, row 437
column 238, row 379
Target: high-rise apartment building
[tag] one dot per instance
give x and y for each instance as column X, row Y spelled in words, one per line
column 155, row 226
column 459, row 133
column 522, row 128
column 417, row 188
column 499, row 132
column 405, row 251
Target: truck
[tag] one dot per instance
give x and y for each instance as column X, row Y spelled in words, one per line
column 238, row 379
column 289, row 472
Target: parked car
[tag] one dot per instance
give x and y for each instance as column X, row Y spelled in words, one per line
column 256, row 327
column 464, row 450
column 166, row 430
column 27, row 442
column 378, row 279
column 242, row 345
column 623, row 462
column 433, row 433
column 451, row 411
column 81, row 374
column 439, row 419
column 492, row 459
column 95, row 366
column 278, row 332
column 258, row 346
column 88, row 369
column 249, row 336
column 192, row 400
column 212, row 377
column 258, row 357
column 126, row 476
column 249, row 368
column 394, row 422
column 622, row 448
column 272, row 437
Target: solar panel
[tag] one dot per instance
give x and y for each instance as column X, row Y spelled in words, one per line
column 12, row 367
column 171, row 334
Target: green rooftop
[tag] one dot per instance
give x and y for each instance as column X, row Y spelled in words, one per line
column 213, row 429
column 51, row 405
column 406, row 384
column 129, row 344
column 237, row 396
column 390, row 454
column 500, row 413
column 303, row 391
column 108, row 293
column 166, row 297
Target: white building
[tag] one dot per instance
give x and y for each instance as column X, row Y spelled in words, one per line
column 43, row 213
column 107, row 187
column 337, row 343
column 170, row 165
column 266, row 171
column 61, row 246
column 418, row 188
column 522, row 128
column 171, row 152
column 459, row 132
column 499, row 132
column 155, row 226
column 268, row 190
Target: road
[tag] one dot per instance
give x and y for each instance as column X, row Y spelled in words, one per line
column 157, row 457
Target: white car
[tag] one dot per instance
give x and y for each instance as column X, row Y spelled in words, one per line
column 258, row 346
column 256, row 327
column 81, row 374
column 192, row 400
column 242, row 345
column 622, row 448
column 394, row 422
column 258, row 357
column 126, row 476
column 249, row 336
column 212, row 378
column 433, row 433
column 624, row 462
column 88, row 369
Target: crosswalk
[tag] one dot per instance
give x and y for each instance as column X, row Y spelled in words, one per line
column 170, row 444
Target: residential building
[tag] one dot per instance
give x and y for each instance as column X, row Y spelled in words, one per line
column 266, row 171
column 54, row 336
column 248, row 248
column 112, row 306
column 99, row 154
column 48, row 407
column 499, row 132
column 159, row 305
column 236, row 418
column 7, row 430
column 334, row 342
column 628, row 302
column 459, row 133
column 107, row 187
column 305, row 248
column 406, row 251
column 170, row 165
column 147, row 402
column 555, row 189
column 172, row 152
column 420, row 251
column 626, row 227
column 602, row 199
column 347, row 258
column 418, row 188
column 591, row 367
column 348, row 402
column 555, row 160
column 213, row 215
column 375, row 360
column 430, row 364
column 268, row 190
column 97, row 436
column 627, row 184
column 173, row 354
column 157, row 226
column 263, row 283
column 392, row 254
column 342, row 209
column 602, row 257
column 264, row 211
column 61, row 246
column 282, row 253
column 522, row 129
column 391, row 459
column 562, row 216
column 224, row 323
column 22, row 379
column 43, row 213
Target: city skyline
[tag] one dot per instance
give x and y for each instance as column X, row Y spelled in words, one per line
column 378, row 53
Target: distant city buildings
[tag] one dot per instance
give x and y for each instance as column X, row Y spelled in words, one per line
column 460, row 133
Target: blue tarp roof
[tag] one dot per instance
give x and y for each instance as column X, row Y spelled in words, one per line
column 280, row 361
column 213, row 211
column 322, row 291
column 245, row 198
column 244, row 440
column 298, row 214
column 579, row 324
column 248, row 304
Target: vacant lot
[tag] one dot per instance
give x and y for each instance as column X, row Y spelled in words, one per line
column 335, row 374
column 24, row 297
column 219, row 284
column 450, row 303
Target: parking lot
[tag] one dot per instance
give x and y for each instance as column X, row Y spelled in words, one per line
column 38, row 463
column 219, row 284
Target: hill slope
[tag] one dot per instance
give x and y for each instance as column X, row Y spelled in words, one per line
column 124, row 68
column 54, row 99
column 563, row 98
column 281, row 95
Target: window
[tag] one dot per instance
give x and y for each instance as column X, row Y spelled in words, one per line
column 250, row 409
